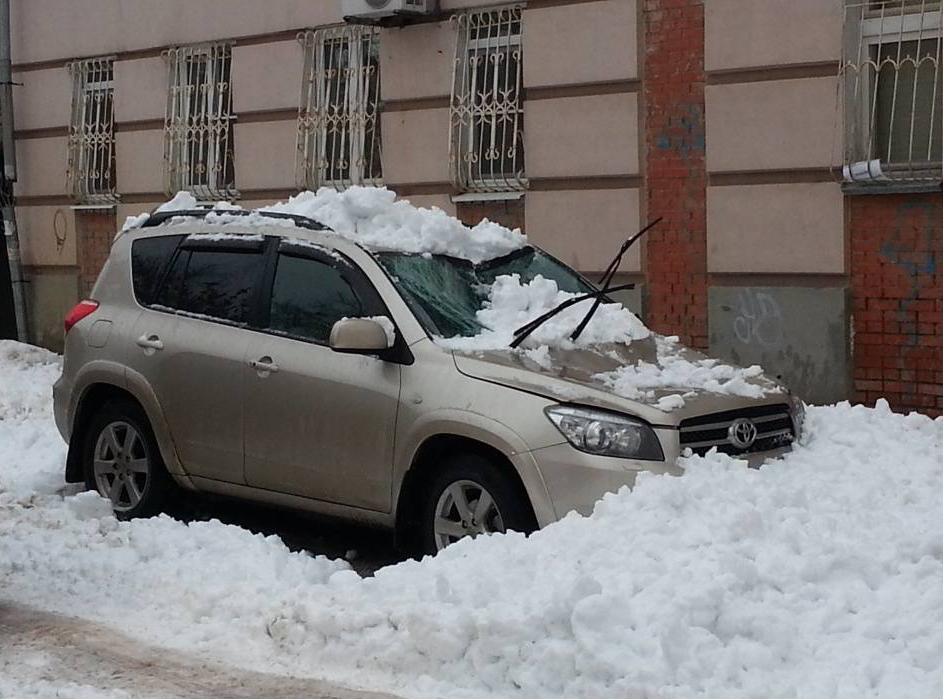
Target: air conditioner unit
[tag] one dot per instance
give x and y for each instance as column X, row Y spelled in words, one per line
column 378, row 9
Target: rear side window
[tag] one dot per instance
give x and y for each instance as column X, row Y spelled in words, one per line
column 217, row 283
column 308, row 297
column 149, row 257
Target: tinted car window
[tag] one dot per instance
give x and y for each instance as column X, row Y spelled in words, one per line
column 309, row 297
column 215, row 283
column 149, row 256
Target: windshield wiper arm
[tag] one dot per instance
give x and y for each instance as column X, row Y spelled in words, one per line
column 525, row 330
column 606, row 279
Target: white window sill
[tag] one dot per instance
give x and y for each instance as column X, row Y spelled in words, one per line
column 486, row 196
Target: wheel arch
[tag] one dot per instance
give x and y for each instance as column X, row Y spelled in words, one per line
column 428, row 454
column 99, row 391
column 93, row 397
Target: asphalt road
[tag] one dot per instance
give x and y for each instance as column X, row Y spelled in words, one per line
column 41, row 647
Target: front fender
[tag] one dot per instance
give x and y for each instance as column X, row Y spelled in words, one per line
column 481, row 428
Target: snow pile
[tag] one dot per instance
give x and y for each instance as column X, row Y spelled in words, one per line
column 819, row 575
column 31, row 451
column 371, row 216
column 511, row 304
column 675, row 371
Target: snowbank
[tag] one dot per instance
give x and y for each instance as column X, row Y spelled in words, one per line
column 820, row 575
column 371, row 216
column 512, row 304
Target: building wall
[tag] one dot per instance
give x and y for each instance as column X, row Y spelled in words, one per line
column 719, row 116
column 776, row 241
column 897, row 285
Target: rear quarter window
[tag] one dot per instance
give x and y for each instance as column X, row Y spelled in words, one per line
column 149, row 258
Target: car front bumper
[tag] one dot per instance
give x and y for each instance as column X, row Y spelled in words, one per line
column 576, row 481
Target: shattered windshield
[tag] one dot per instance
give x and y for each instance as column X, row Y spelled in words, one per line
column 445, row 292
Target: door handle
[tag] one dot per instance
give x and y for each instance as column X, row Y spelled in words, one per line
column 150, row 343
column 264, row 365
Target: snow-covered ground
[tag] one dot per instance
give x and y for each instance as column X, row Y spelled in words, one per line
column 818, row 575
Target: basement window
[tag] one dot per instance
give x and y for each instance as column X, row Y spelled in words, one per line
column 339, row 117
column 91, row 168
column 198, row 126
column 486, row 151
column 893, row 92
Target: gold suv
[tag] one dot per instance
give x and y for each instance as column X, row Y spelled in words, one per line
column 283, row 363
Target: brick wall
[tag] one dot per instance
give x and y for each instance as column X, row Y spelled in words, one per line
column 897, row 287
column 95, row 231
column 676, row 184
column 508, row 213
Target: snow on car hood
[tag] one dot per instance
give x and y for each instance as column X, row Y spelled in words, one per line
column 656, row 371
column 616, row 355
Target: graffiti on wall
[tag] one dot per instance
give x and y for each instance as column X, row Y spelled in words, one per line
column 759, row 319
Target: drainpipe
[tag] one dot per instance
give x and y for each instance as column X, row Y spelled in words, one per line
column 9, row 174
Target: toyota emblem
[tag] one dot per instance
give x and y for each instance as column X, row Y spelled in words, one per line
column 742, row 433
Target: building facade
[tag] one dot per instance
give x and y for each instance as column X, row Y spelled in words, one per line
column 791, row 147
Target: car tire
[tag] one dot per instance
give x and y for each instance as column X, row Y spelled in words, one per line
column 456, row 503
column 122, row 461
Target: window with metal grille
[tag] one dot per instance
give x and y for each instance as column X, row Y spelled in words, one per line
column 339, row 116
column 198, row 141
column 487, row 110
column 91, row 170
column 892, row 86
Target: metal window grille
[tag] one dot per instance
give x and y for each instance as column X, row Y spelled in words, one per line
column 198, row 141
column 486, row 152
column 91, row 169
column 891, row 82
column 339, row 117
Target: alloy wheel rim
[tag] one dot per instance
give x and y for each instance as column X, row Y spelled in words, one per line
column 121, row 465
column 465, row 508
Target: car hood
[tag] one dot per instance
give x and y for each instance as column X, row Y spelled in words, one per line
column 571, row 375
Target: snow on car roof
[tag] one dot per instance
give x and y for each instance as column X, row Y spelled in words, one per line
column 369, row 216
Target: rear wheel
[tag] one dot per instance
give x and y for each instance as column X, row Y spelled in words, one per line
column 469, row 497
column 123, row 462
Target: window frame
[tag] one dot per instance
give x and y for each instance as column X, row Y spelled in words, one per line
column 202, row 108
column 468, row 115
column 865, row 35
column 258, row 306
column 318, row 115
column 92, row 141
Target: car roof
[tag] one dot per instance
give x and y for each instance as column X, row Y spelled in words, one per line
column 227, row 221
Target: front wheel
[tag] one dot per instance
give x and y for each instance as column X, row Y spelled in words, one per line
column 470, row 497
column 123, row 462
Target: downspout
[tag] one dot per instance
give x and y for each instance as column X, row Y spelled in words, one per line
column 9, row 174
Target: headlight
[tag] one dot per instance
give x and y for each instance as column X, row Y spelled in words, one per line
column 606, row 434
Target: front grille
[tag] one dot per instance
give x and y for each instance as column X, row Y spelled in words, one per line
column 774, row 429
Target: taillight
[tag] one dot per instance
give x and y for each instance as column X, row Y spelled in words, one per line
column 79, row 311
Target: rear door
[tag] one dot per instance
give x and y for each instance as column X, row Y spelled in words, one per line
column 190, row 344
column 320, row 423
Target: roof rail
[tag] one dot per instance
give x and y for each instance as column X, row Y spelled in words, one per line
column 159, row 217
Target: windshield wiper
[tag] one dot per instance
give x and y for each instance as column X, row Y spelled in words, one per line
column 525, row 330
column 610, row 272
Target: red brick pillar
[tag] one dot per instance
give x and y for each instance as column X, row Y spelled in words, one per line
column 94, row 232
column 676, row 175
column 897, row 289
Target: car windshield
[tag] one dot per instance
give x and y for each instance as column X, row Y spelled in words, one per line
column 445, row 293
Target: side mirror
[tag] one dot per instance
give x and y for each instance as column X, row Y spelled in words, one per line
column 359, row 336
